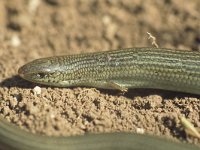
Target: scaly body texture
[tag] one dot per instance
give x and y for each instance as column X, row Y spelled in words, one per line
column 120, row 69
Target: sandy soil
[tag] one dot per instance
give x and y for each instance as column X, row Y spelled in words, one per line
column 40, row 28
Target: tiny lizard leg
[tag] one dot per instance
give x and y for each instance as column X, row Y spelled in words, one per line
column 117, row 86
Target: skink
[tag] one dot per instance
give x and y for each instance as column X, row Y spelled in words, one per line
column 158, row 68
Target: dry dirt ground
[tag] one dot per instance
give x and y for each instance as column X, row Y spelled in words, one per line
column 31, row 29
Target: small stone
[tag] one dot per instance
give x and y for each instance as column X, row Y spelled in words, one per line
column 33, row 5
column 140, row 130
column 106, row 20
column 37, row 90
column 15, row 41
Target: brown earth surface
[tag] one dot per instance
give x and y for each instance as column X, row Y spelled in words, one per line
column 40, row 28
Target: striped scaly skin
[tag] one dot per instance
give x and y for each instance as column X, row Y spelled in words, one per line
column 157, row 68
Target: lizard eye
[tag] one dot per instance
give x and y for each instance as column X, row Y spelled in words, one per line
column 41, row 75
